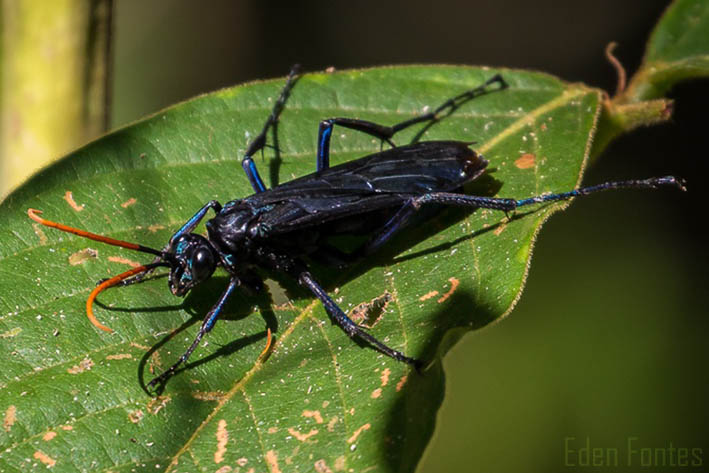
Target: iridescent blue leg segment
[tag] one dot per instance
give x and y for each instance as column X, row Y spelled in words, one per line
column 195, row 219
column 507, row 205
column 207, row 325
column 398, row 221
column 384, row 133
column 652, row 183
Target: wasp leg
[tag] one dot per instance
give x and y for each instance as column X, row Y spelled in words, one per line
column 259, row 142
column 207, row 324
column 386, row 133
column 348, row 325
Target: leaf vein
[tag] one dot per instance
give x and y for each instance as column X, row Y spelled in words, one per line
column 250, row 405
column 338, row 375
column 241, row 383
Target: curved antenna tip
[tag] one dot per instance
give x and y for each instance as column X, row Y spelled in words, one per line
column 33, row 214
column 105, row 285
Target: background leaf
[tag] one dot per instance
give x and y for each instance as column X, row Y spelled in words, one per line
column 678, row 50
column 319, row 397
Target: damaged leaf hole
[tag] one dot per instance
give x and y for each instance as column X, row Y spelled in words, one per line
column 82, row 256
column 368, row 314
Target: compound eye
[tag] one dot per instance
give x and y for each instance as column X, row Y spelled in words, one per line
column 202, row 264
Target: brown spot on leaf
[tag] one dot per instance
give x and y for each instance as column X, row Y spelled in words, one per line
column 67, row 427
column 136, row 416
column 300, row 436
column 454, row 285
column 44, row 458
column 401, row 383
column 428, row 295
column 84, row 365
column 314, row 414
column 208, row 395
column 69, row 197
column 526, row 161
column 128, row 202
column 10, row 418
column 331, row 424
column 500, row 228
column 376, row 393
column 120, row 356
column 272, row 430
column 242, row 461
column 385, row 376
column 38, row 231
column 224, row 469
column 357, row 432
column 272, row 460
column 321, row 466
column 158, row 403
column 49, row 436
column 155, row 227
column 368, row 314
column 222, row 439
column 82, row 256
column 155, row 361
column 286, row 306
column 340, row 463
column 118, row 259
column 142, row 347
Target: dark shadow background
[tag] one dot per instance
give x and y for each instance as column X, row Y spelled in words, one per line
column 608, row 343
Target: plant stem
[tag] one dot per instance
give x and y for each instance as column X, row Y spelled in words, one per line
column 54, row 81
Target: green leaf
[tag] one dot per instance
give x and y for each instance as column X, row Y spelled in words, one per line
column 72, row 395
column 678, row 50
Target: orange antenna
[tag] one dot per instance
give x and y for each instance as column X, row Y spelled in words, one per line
column 112, row 282
column 34, row 215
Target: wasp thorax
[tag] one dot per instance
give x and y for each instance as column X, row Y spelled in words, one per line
column 194, row 262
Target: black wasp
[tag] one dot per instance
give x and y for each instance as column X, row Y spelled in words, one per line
column 275, row 229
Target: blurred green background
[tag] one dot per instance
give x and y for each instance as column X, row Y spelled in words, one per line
column 609, row 341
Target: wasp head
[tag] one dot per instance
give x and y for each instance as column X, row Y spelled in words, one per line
column 194, row 260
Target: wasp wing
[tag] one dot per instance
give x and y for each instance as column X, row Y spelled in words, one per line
column 372, row 183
